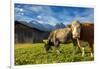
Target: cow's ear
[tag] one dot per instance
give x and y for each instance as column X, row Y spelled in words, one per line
column 69, row 26
column 45, row 41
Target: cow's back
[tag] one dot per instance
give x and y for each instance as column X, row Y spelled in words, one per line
column 87, row 32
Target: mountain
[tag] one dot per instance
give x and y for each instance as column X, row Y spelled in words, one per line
column 42, row 26
column 59, row 25
column 46, row 26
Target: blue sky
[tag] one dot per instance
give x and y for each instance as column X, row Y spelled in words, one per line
column 52, row 14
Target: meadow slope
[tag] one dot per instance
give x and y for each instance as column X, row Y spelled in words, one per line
column 35, row 54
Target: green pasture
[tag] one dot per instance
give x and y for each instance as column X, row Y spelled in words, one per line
column 35, row 54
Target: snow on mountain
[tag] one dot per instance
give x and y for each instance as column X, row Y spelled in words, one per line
column 45, row 26
column 42, row 26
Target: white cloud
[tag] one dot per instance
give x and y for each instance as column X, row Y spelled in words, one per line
column 47, row 20
column 46, row 15
column 51, row 20
column 39, row 16
column 21, row 10
column 22, row 18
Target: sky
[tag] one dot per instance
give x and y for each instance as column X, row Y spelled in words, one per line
column 52, row 14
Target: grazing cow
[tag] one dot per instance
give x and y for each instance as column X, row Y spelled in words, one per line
column 58, row 36
column 84, row 32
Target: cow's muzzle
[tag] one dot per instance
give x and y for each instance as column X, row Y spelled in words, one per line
column 76, row 36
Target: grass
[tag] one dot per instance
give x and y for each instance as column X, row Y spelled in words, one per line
column 35, row 54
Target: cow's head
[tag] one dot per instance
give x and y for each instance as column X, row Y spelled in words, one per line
column 76, row 29
column 46, row 45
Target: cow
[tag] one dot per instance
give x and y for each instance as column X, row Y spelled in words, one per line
column 83, row 32
column 58, row 36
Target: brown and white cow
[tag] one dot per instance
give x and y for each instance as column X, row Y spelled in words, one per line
column 84, row 32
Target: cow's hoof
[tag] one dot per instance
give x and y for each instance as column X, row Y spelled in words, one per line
column 58, row 52
column 92, row 55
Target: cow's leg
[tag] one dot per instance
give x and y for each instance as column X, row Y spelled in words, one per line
column 80, row 48
column 92, row 48
column 74, row 46
column 57, row 47
column 83, row 52
column 92, row 53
